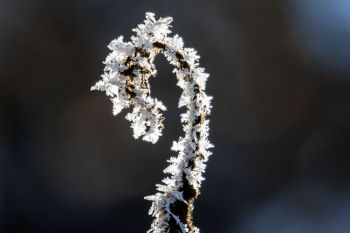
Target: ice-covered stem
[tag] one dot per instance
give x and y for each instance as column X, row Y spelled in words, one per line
column 126, row 80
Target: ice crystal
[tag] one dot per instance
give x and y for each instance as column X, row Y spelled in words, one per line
column 128, row 68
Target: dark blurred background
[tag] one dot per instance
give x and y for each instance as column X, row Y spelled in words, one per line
column 280, row 77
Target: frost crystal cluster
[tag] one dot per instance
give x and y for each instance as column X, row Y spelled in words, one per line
column 126, row 81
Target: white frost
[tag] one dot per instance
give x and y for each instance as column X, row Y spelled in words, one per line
column 125, row 80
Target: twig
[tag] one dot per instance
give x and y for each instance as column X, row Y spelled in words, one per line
column 126, row 80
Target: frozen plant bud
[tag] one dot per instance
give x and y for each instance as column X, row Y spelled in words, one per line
column 128, row 69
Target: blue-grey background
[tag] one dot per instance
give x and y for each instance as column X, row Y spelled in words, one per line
column 280, row 77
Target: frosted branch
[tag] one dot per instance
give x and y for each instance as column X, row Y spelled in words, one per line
column 126, row 81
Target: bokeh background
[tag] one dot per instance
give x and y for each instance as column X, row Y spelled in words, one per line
column 280, row 77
